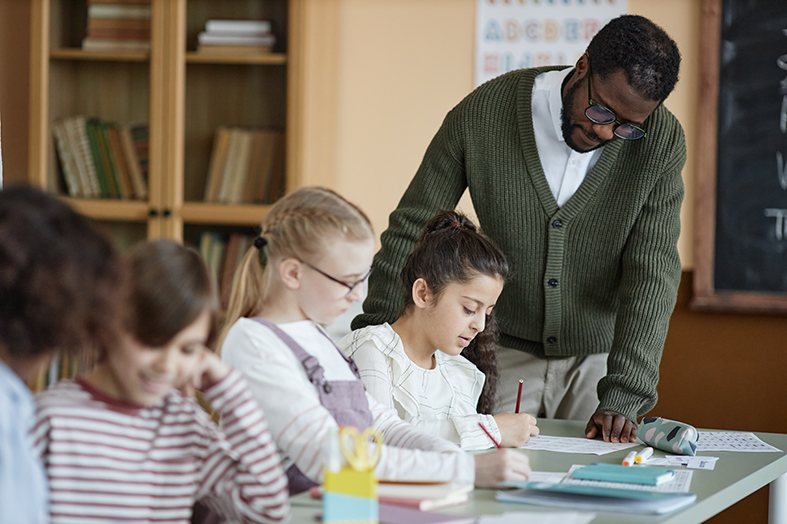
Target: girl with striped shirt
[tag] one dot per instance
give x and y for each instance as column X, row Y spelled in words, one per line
column 127, row 443
column 306, row 269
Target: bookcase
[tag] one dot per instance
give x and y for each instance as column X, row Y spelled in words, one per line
column 182, row 95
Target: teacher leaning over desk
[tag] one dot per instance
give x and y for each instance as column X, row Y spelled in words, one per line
column 576, row 174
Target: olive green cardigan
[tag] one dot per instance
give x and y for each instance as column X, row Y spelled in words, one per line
column 598, row 275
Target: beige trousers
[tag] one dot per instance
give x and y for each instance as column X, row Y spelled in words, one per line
column 562, row 388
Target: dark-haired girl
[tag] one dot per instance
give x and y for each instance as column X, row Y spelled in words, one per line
column 123, row 443
column 436, row 365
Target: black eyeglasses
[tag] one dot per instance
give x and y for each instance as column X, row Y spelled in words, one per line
column 350, row 287
column 603, row 115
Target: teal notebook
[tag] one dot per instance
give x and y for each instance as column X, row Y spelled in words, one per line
column 627, row 474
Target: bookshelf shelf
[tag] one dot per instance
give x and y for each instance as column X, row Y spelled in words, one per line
column 78, row 54
column 267, row 59
column 110, row 209
column 223, row 214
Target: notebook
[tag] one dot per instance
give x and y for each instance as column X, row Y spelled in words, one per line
column 627, row 474
column 596, row 498
column 425, row 496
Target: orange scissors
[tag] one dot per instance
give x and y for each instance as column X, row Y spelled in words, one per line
column 355, row 448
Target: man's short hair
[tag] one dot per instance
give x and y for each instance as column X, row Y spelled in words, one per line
column 644, row 51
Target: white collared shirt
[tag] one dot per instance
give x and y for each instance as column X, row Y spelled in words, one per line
column 564, row 168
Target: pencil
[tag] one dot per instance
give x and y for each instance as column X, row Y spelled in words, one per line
column 498, row 446
column 519, row 396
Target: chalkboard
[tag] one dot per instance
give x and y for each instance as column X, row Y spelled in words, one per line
column 741, row 221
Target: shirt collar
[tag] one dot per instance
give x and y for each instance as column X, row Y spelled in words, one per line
column 553, row 83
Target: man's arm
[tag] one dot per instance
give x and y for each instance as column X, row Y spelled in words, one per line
column 648, row 290
column 438, row 184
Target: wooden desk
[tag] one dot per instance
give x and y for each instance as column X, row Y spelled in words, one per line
column 736, row 476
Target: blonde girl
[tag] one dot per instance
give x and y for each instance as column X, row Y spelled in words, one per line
column 314, row 251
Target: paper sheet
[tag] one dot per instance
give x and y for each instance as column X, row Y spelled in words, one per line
column 538, row 517
column 575, row 445
column 681, row 484
column 547, row 476
column 732, row 441
column 684, row 460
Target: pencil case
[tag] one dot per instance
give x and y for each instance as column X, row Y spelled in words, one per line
column 669, row 435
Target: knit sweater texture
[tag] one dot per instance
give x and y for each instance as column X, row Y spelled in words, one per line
column 598, row 275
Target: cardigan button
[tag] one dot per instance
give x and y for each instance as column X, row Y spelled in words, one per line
column 552, row 340
column 552, row 282
column 557, row 223
column 327, row 388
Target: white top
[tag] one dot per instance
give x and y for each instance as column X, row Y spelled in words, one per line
column 441, row 401
column 302, row 427
column 110, row 460
column 564, row 168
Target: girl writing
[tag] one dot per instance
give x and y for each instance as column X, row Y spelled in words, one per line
column 314, row 252
column 122, row 443
column 417, row 365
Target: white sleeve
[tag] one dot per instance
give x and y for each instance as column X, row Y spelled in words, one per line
column 375, row 370
column 302, row 427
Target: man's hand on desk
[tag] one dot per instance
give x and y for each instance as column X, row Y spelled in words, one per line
column 612, row 426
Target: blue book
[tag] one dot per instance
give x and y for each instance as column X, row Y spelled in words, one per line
column 626, row 474
column 595, row 498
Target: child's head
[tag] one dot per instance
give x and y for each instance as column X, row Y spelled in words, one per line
column 172, row 312
column 453, row 278
column 60, row 281
column 314, row 246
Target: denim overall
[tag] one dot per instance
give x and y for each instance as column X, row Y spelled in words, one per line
column 345, row 400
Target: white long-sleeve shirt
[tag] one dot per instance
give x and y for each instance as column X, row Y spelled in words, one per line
column 441, row 401
column 302, row 427
column 109, row 460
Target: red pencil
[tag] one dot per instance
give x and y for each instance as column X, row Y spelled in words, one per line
column 519, row 396
column 488, row 434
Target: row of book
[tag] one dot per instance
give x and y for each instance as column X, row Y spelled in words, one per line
column 101, row 159
column 118, row 25
column 223, row 255
column 246, row 166
column 236, row 37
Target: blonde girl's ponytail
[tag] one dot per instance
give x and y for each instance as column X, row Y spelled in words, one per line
column 299, row 225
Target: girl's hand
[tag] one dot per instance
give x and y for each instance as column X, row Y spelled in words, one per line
column 209, row 371
column 515, row 428
column 502, row 464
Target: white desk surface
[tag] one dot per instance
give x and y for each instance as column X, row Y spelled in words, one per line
column 736, row 476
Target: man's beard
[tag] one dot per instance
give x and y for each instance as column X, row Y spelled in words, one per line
column 568, row 128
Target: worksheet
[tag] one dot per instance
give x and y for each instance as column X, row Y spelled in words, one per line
column 732, row 441
column 575, row 445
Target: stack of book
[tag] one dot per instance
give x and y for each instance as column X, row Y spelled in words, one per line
column 101, row 159
column 118, row 25
column 236, row 37
column 246, row 167
column 223, row 256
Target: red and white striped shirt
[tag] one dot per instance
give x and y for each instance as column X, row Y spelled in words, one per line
column 112, row 460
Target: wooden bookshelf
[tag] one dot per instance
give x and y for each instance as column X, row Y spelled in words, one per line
column 181, row 94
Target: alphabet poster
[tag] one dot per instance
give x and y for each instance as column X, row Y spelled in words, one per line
column 515, row 34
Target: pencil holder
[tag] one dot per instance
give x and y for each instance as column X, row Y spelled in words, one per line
column 669, row 435
column 350, row 492
column 350, row 496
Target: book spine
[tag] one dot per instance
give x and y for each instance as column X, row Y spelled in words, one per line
column 132, row 163
column 70, row 174
column 95, row 154
column 106, row 157
column 118, row 11
column 238, row 26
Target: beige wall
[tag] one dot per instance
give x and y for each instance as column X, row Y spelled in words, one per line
column 401, row 65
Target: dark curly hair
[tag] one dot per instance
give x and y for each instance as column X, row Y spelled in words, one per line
column 452, row 249
column 61, row 282
column 644, row 51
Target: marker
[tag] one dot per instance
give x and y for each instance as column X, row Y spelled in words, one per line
column 643, row 455
column 629, row 460
column 519, row 395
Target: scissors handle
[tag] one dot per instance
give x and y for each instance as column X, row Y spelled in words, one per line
column 356, row 452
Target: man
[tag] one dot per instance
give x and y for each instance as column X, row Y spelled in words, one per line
column 576, row 175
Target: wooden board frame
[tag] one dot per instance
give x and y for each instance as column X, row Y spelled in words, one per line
column 705, row 295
